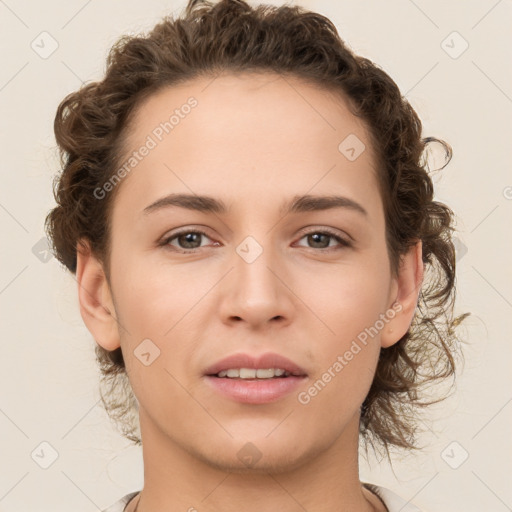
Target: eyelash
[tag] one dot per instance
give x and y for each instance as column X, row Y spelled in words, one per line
column 343, row 243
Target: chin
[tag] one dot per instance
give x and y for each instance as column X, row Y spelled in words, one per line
column 257, row 456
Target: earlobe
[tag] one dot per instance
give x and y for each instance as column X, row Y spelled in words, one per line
column 96, row 305
column 408, row 286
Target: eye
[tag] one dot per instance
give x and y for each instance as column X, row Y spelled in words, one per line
column 322, row 239
column 187, row 240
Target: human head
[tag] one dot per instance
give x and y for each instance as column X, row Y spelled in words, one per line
column 92, row 127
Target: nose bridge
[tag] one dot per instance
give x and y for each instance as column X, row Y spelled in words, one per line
column 258, row 294
column 252, row 262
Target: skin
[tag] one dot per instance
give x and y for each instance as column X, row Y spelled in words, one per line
column 253, row 141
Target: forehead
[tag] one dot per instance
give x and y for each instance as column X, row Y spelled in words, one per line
column 246, row 135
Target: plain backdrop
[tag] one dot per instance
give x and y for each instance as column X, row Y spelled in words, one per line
column 451, row 60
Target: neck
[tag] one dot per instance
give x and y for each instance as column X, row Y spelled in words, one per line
column 176, row 478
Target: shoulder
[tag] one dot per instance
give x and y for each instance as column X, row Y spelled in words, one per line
column 393, row 502
column 120, row 505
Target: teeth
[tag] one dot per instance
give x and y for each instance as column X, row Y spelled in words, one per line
column 252, row 373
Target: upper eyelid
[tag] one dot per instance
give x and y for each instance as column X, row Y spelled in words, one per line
column 184, row 232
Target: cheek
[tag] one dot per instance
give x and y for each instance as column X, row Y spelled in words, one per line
column 349, row 299
column 350, row 303
column 154, row 298
column 346, row 354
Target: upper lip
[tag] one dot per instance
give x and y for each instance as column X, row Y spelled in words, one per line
column 267, row 360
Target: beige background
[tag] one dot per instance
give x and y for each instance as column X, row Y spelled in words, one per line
column 48, row 377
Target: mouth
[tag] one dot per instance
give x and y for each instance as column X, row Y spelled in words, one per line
column 255, row 380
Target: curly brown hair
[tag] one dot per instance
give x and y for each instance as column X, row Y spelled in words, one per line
column 230, row 35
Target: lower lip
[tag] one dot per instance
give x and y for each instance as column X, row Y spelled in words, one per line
column 255, row 391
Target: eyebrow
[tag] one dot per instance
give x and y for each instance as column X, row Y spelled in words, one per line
column 297, row 204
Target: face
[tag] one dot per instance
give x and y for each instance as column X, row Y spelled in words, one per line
column 253, row 270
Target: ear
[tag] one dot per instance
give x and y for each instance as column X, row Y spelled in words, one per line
column 96, row 304
column 404, row 296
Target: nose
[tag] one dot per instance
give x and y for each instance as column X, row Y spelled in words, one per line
column 257, row 291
